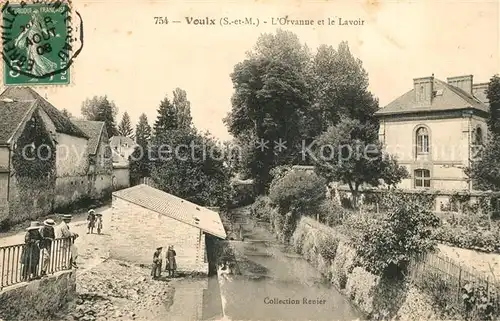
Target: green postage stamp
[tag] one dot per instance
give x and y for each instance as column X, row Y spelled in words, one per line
column 38, row 43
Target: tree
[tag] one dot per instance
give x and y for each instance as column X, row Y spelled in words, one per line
column 269, row 84
column 101, row 109
column 166, row 119
column 196, row 172
column 66, row 113
column 386, row 246
column 139, row 160
column 340, row 88
column 493, row 95
column 182, row 107
column 350, row 153
column 485, row 169
column 143, row 131
column 125, row 127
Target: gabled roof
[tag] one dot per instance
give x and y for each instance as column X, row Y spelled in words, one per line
column 13, row 113
column 120, row 140
column 449, row 98
column 174, row 207
column 93, row 129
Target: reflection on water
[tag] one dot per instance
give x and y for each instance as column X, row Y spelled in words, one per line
column 275, row 283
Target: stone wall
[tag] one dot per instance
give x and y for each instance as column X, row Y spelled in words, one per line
column 375, row 297
column 69, row 190
column 137, row 231
column 121, row 176
column 39, row 299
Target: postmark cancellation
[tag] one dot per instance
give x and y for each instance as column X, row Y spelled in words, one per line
column 40, row 40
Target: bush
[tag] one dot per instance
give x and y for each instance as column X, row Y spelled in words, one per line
column 262, row 208
column 327, row 246
column 301, row 191
column 242, row 194
column 386, row 245
column 472, row 237
column 333, row 214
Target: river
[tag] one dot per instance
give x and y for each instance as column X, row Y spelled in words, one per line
column 275, row 283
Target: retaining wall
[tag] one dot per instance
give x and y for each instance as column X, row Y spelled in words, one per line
column 39, row 299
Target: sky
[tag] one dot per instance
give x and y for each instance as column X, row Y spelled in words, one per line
column 136, row 62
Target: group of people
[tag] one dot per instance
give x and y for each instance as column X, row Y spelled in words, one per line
column 94, row 219
column 38, row 246
column 171, row 265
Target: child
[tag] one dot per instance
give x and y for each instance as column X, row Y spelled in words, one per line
column 99, row 222
column 156, row 270
column 91, row 221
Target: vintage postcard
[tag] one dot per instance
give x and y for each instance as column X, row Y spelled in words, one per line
column 249, row 160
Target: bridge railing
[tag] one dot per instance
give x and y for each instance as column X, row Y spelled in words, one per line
column 23, row 262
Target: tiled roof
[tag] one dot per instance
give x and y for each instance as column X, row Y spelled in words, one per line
column 26, row 94
column 93, row 129
column 451, row 98
column 174, row 207
column 12, row 115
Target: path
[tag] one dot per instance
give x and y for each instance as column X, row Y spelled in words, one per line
column 90, row 251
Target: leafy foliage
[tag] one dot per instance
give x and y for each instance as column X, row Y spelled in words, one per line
column 143, row 131
column 101, row 109
column 190, row 165
column 281, row 77
column 34, row 152
column 139, row 164
column 493, row 95
column 386, row 246
column 485, row 170
column 66, row 113
column 175, row 115
column 166, row 119
column 182, row 108
column 125, row 126
column 350, row 153
column 298, row 191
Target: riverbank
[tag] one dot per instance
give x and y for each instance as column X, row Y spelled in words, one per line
column 376, row 297
column 270, row 281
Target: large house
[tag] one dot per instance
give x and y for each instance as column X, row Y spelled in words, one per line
column 44, row 157
column 435, row 129
column 123, row 146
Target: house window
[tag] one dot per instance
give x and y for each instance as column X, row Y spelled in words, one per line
column 422, row 178
column 422, row 140
column 478, row 137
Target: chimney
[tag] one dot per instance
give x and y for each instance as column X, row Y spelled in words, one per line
column 479, row 91
column 424, row 88
column 462, row 82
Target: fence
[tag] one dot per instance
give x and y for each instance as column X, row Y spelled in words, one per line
column 21, row 262
column 457, row 285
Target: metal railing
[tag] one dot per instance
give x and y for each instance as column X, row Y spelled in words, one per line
column 26, row 262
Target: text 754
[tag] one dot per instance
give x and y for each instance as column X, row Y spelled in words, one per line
column 161, row 20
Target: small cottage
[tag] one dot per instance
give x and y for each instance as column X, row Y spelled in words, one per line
column 144, row 218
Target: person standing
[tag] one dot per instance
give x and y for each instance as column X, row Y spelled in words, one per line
column 157, row 262
column 171, row 262
column 30, row 256
column 68, row 239
column 91, row 221
column 47, row 234
column 99, row 222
